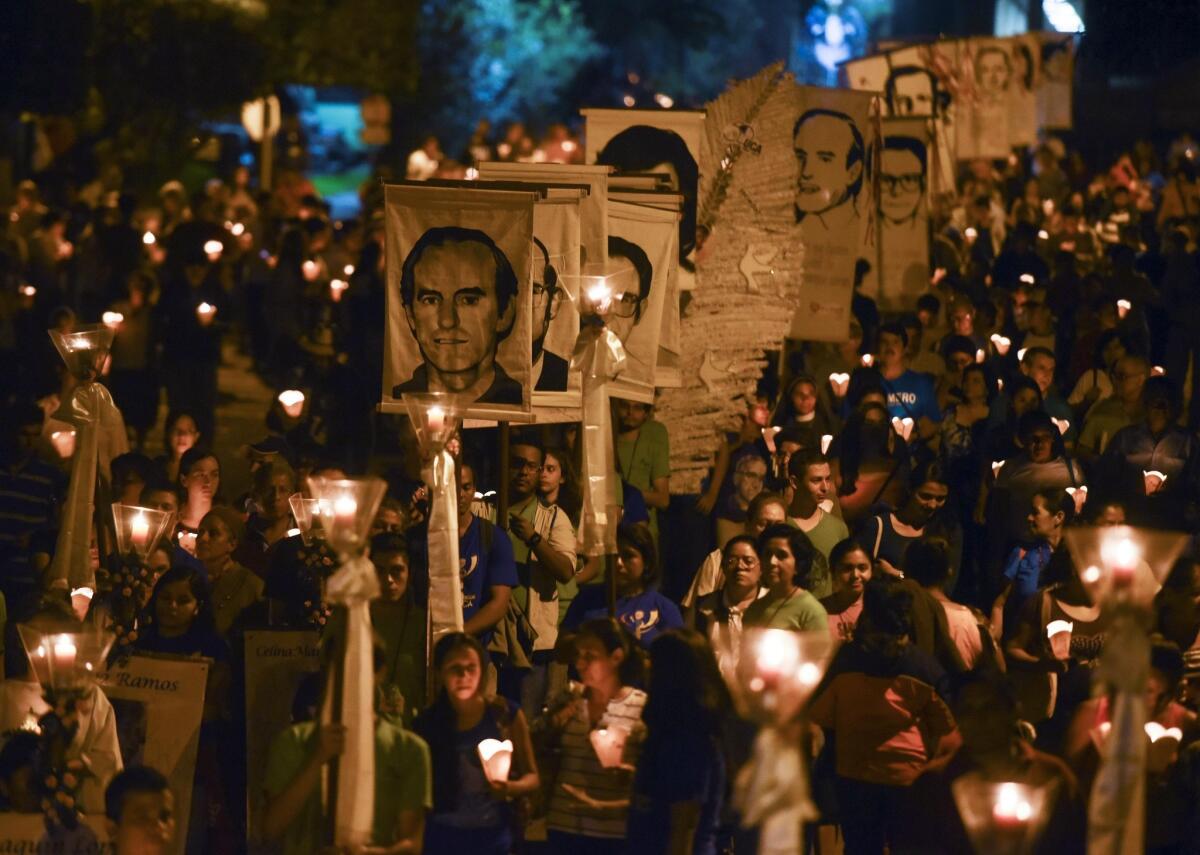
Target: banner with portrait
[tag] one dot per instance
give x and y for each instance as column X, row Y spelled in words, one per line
column 642, row 251
column 1026, row 52
column 982, row 113
column 27, row 833
column 658, row 141
column 557, row 391
column 158, row 704
column 900, row 268
column 834, row 144
column 593, row 217
column 1054, row 95
column 277, row 661
column 458, row 299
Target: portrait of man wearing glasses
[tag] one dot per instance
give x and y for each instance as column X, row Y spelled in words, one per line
column 459, row 293
column 628, row 264
column 549, row 369
column 902, row 174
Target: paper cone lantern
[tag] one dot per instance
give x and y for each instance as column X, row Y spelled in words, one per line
column 496, row 757
column 1001, row 818
column 609, row 745
column 347, row 508
column 66, row 659
column 1125, row 562
column 84, row 350
column 306, row 512
column 292, row 401
column 903, row 426
column 777, row 671
column 1002, row 344
column 839, row 381
column 139, row 529
column 435, row 416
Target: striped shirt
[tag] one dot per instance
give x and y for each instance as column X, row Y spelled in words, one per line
column 29, row 498
column 580, row 768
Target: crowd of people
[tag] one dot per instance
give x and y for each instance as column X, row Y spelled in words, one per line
column 914, row 509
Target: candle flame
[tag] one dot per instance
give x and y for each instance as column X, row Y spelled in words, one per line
column 149, row 239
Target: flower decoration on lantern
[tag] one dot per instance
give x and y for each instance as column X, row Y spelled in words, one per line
column 66, row 657
column 138, row 531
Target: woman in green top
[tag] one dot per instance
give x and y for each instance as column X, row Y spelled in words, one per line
column 787, row 558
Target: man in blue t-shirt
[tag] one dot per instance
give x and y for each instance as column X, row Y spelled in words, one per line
column 486, row 565
column 910, row 393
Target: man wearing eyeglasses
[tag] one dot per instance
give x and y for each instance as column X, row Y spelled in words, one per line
column 459, row 293
column 629, row 267
column 902, row 180
column 549, row 369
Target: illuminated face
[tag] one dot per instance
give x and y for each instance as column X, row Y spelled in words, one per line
column 392, row 570
column 804, row 398
column 818, row 481
column 742, row 565
column 147, row 823
column 175, row 608
column 203, row 480
column 853, row 572
column 1040, row 370
column 768, row 515
column 891, row 348
column 901, row 185
column 748, row 477
column 779, row 564
column 822, row 146
column 214, row 542
column 455, row 313
column 460, row 673
column 1042, row 521
column 992, row 72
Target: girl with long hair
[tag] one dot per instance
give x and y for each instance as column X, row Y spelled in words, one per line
column 470, row 812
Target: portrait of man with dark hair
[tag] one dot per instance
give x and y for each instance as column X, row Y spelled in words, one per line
column 902, row 171
column 642, row 148
column 911, row 90
column 549, row 369
column 628, row 266
column 459, row 293
column 830, row 159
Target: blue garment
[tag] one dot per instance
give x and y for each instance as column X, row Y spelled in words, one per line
column 481, row 569
column 912, row 394
column 1024, row 569
column 635, row 510
column 672, row 770
column 645, row 615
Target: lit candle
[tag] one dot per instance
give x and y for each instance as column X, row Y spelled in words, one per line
column 903, row 426
column 867, row 360
column 139, row 530
column 609, row 745
column 1063, row 425
column 205, row 312
column 345, row 509
column 997, row 465
column 63, row 442
column 1021, row 354
column 237, row 229
column 293, row 402
column 187, row 542
column 1158, row 371
column 980, row 356
column 1123, row 307
column 1122, row 556
column 337, row 287
column 1011, row 807
column 63, row 654
column 149, row 239
column 213, row 249
column 1027, row 279
column 1079, row 494
column 112, row 320
column 839, row 382
column 1002, row 343
column 768, row 435
column 496, row 757
column 1154, row 480
column 310, row 269
column 1059, row 634
column 437, row 418
column 600, row 295
column 826, row 441
column 971, row 234
column 348, row 270
column 28, row 291
column 1043, row 234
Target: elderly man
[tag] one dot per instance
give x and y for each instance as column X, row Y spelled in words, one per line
column 459, row 295
column 1120, row 410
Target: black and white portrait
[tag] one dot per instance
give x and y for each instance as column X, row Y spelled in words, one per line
column 459, row 290
column 902, row 179
column 830, row 160
column 549, row 369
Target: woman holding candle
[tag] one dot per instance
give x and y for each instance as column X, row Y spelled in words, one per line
column 787, row 558
column 589, row 799
column 471, row 813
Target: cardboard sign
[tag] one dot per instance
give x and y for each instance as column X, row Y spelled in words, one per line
column 900, row 269
column 276, row 663
column 26, row 833
column 158, row 703
column 459, row 297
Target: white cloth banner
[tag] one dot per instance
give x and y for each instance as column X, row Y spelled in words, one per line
column 900, row 269
column 459, row 301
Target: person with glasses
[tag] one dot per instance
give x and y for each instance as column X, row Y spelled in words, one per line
column 749, row 476
column 902, row 180
column 549, row 369
column 718, row 614
column 1121, row 409
column 628, row 263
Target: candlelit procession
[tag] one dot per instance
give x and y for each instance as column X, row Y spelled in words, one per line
column 600, row 427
